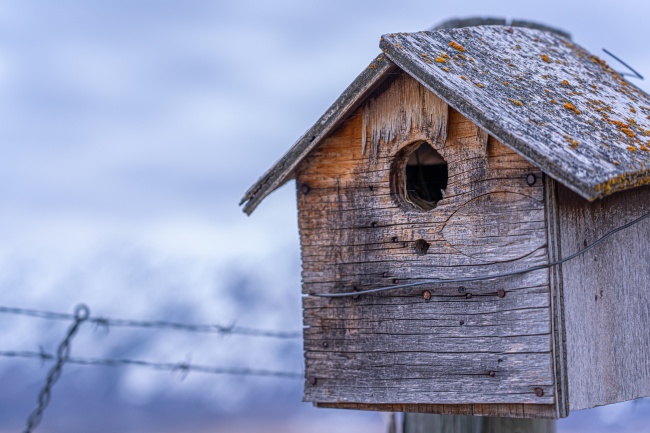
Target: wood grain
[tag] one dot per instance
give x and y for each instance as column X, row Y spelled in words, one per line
column 607, row 298
column 466, row 344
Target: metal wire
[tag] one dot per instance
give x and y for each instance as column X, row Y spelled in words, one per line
column 636, row 74
column 104, row 322
column 485, row 277
column 81, row 314
column 183, row 367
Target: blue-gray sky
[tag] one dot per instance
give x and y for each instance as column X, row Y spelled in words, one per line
column 130, row 129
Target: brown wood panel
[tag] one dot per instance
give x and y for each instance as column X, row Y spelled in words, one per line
column 465, row 344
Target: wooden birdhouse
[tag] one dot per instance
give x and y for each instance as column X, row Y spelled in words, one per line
column 446, row 197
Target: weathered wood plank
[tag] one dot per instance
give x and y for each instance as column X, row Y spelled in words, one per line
column 281, row 171
column 514, row 410
column 557, row 298
column 556, row 104
column 607, row 292
column 466, row 343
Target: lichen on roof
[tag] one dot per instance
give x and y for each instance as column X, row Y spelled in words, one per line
column 536, row 88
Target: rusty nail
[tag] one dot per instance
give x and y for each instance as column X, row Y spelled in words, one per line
column 426, row 295
column 531, row 179
column 539, row 392
column 501, row 293
column 373, row 224
column 325, row 344
column 468, row 295
column 462, row 322
column 312, row 380
column 304, row 188
column 492, row 373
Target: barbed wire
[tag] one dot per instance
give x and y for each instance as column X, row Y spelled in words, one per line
column 183, row 367
column 81, row 314
column 357, row 293
column 106, row 323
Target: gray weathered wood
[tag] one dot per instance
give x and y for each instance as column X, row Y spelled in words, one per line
column 607, row 298
column 557, row 300
column 425, row 423
column 465, row 344
column 354, row 95
column 553, row 102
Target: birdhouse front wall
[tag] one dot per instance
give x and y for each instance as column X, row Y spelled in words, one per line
column 483, row 348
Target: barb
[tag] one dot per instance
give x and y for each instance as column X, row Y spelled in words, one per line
column 485, row 277
column 105, row 323
column 183, row 367
column 81, row 314
column 636, row 74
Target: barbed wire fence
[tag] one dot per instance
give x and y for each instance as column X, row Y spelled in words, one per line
column 82, row 316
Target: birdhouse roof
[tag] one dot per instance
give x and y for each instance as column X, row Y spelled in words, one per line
column 560, row 107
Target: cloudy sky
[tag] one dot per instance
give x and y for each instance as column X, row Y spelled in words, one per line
column 129, row 132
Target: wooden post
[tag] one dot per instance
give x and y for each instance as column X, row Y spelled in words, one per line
column 426, row 423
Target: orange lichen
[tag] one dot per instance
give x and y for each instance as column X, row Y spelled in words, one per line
column 506, row 83
column 446, row 69
column 399, row 46
column 631, row 148
column 553, row 101
column 514, row 101
column 564, row 83
column 463, row 77
column 440, row 60
column 372, row 66
column 643, row 148
column 457, row 46
column 572, row 143
column 628, row 132
column 545, row 58
column 570, row 106
column 632, row 110
column 479, row 85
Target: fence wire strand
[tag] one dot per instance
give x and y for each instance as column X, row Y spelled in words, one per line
column 106, row 323
column 182, row 367
column 62, row 356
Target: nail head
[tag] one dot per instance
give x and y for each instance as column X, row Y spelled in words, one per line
column 539, row 392
column 426, row 295
column 531, row 179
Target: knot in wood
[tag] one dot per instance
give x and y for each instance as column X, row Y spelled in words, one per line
column 421, row 247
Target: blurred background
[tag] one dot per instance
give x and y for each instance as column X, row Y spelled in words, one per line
column 129, row 130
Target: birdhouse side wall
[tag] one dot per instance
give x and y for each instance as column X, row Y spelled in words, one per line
column 483, row 348
column 606, row 297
